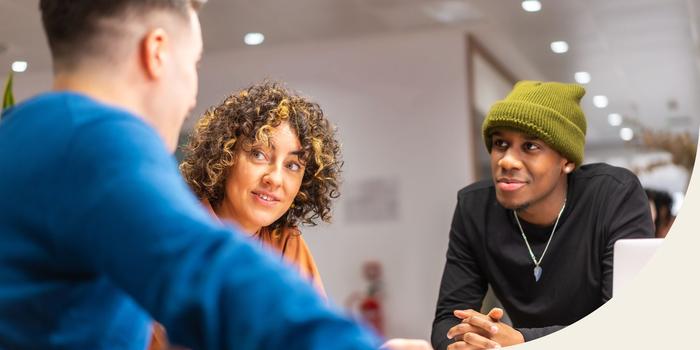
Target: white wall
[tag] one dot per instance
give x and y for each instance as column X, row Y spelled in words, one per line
column 30, row 83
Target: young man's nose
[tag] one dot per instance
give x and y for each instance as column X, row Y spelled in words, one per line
column 510, row 160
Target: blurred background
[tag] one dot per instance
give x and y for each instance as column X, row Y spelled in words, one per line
column 407, row 83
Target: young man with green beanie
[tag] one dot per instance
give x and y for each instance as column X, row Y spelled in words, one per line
column 542, row 231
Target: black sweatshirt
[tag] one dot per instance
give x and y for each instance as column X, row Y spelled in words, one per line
column 604, row 203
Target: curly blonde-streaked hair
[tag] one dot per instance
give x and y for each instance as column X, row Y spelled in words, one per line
column 247, row 117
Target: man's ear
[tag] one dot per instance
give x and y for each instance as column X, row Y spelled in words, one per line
column 569, row 167
column 154, row 53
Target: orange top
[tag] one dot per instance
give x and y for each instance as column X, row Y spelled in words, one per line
column 295, row 251
column 292, row 247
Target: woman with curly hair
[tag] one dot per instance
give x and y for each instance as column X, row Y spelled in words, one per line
column 267, row 159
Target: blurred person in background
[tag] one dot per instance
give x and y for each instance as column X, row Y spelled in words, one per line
column 661, row 204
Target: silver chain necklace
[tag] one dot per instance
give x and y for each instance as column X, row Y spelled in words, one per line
column 537, row 271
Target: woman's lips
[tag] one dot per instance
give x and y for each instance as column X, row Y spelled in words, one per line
column 265, row 198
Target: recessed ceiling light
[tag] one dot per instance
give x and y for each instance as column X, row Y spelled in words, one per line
column 531, row 5
column 19, row 66
column 626, row 134
column 582, row 77
column 452, row 11
column 559, row 46
column 600, row 101
column 615, row 119
column 254, row 38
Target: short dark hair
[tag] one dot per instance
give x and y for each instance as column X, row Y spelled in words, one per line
column 71, row 26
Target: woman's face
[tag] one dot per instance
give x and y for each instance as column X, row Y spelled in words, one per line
column 262, row 184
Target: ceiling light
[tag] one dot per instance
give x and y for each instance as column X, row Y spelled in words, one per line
column 626, row 134
column 19, row 66
column 254, row 38
column 452, row 11
column 531, row 5
column 582, row 77
column 600, row 101
column 559, row 46
column 615, row 119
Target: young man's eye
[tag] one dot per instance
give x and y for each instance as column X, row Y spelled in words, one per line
column 530, row 146
column 499, row 143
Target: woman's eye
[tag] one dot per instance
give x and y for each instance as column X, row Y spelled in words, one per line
column 294, row 166
column 257, row 155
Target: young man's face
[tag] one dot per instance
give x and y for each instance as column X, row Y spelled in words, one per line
column 525, row 170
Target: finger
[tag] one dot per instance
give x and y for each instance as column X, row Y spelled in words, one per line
column 485, row 324
column 460, row 329
column 461, row 345
column 496, row 314
column 479, row 341
column 456, row 346
column 464, row 313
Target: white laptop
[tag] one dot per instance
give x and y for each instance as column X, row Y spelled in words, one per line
column 629, row 257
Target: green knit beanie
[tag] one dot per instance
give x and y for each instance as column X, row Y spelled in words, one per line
column 547, row 110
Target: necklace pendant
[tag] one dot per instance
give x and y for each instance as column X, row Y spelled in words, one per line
column 538, row 273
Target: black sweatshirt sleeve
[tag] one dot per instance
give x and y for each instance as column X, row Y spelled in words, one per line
column 463, row 284
column 534, row 333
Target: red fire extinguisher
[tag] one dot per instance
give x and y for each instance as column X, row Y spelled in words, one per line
column 370, row 304
column 371, row 312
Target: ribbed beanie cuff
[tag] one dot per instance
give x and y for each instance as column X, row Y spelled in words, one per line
column 549, row 111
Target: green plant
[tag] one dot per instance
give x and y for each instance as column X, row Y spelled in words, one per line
column 8, row 99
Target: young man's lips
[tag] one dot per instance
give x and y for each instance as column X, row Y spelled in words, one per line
column 509, row 185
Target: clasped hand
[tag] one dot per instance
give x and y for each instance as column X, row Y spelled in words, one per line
column 479, row 331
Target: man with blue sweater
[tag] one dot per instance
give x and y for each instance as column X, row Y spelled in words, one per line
column 100, row 234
